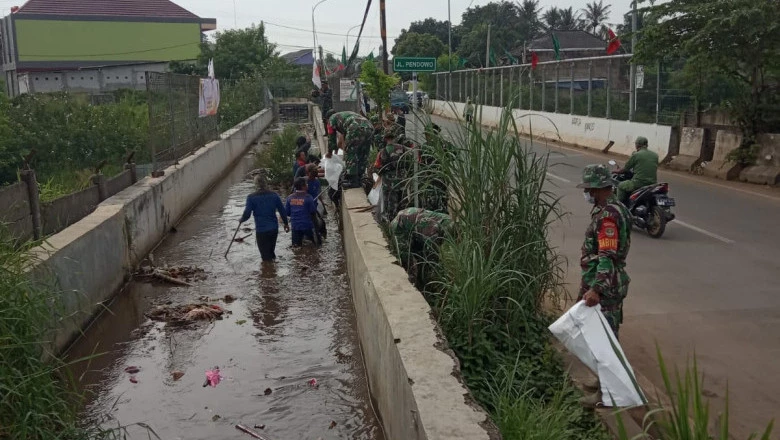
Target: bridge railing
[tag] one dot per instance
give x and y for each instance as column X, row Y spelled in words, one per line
column 597, row 87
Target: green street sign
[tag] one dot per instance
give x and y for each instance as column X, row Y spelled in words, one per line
column 414, row 64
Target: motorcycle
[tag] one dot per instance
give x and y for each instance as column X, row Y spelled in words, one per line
column 650, row 206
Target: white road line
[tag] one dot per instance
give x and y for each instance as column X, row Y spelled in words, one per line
column 704, row 231
column 562, row 179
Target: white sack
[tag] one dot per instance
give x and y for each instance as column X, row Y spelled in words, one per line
column 333, row 167
column 585, row 332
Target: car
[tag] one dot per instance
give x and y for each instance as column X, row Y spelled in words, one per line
column 398, row 99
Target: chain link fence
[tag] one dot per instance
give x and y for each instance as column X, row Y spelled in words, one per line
column 597, row 87
column 175, row 129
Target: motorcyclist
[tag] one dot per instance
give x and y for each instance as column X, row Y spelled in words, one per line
column 643, row 164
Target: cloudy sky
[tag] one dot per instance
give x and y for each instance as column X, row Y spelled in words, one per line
column 288, row 22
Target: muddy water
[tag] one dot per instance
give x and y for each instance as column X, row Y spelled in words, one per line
column 290, row 322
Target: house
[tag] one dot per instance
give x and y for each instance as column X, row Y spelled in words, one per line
column 304, row 57
column 573, row 44
column 71, row 35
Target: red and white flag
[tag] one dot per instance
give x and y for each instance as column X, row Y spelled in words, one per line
column 315, row 73
column 614, row 42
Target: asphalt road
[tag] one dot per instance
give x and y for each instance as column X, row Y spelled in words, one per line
column 709, row 286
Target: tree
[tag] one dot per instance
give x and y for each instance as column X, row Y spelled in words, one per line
column 377, row 84
column 237, row 52
column 552, row 18
column 412, row 44
column 570, row 19
column 507, row 31
column 528, row 12
column 595, row 14
column 439, row 29
column 735, row 39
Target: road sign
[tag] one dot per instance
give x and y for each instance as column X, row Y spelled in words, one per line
column 414, row 64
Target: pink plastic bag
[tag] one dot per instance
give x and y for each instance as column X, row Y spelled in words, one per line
column 213, row 377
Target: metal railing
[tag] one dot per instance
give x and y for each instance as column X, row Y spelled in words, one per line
column 597, row 86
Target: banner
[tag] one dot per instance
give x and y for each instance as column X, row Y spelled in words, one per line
column 208, row 102
column 347, row 90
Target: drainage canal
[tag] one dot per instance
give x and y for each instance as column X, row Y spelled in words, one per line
column 282, row 326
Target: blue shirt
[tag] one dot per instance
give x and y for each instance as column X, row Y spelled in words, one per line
column 300, row 206
column 264, row 205
column 314, row 189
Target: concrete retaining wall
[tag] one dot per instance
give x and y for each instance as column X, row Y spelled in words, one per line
column 720, row 167
column 767, row 168
column 580, row 131
column 691, row 144
column 91, row 259
column 412, row 381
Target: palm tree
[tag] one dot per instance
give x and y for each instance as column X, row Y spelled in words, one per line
column 570, row 19
column 552, row 18
column 595, row 14
column 528, row 10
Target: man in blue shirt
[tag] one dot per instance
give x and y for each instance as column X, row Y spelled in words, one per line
column 300, row 208
column 264, row 204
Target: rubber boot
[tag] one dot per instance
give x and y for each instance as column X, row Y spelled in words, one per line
column 592, row 400
column 591, row 384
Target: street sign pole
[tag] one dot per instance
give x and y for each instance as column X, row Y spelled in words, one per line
column 416, row 141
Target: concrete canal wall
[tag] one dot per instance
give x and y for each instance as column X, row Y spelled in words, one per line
column 413, row 381
column 91, row 260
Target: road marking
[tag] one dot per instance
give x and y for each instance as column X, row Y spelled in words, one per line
column 704, row 231
column 562, row 179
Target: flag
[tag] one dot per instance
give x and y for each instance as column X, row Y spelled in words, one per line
column 370, row 56
column 614, row 42
column 534, row 60
column 461, row 63
column 211, row 68
column 343, row 55
column 493, row 58
column 315, row 74
column 512, row 59
column 556, row 47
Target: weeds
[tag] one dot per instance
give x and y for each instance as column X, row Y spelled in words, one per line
column 279, row 156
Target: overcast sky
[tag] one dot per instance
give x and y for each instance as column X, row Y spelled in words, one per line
column 337, row 16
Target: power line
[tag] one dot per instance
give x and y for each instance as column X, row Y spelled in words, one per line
column 319, row 32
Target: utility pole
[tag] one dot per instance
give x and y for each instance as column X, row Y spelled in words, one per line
column 449, row 59
column 632, row 80
column 383, row 30
column 487, row 51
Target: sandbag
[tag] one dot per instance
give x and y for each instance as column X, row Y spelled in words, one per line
column 585, row 332
column 333, row 167
column 376, row 192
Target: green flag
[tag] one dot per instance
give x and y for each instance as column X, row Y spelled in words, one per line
column 556, row 47
column 493, row 58
column 370, row 56
column 512, row 59
column 344, row 55
column 461, row 63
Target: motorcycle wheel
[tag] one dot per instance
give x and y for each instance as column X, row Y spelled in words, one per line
column 656, row 224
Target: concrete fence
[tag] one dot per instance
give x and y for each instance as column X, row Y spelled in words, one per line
column 91, row 259
column 581, row 131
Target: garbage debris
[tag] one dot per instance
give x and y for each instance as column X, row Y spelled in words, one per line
column 332, row 424
column 180, row 276
column 268, row 391
column 259, row 426
column 241, row 322
column 177, row 375
column 229, row 298
column 215, row 417
column 313, row 383
column 132, row 370
column 254, row 434
column 212, row 377
column 247, row 229
column 133, row 379
column 186, row 313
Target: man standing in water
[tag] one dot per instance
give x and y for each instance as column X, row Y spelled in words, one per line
column 264, row 204
column 607, row 241
column 301, row 208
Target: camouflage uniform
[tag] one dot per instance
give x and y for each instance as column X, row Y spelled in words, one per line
column 358, row 133
column 604, row 252
column 395, row 165
column 326, row 103
column 416, row 234
column 434, row 194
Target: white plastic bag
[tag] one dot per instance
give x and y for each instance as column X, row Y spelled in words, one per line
column 376, row 191
column 585, row 332
column 333, row 167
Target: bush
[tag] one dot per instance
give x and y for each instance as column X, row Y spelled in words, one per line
column 278, row 157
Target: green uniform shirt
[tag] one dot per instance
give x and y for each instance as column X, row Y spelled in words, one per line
column 644, row 164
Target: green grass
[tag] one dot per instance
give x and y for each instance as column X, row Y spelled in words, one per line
column 278, row 157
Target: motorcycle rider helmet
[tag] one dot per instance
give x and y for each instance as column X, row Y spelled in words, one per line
column 596, row 176
column 641, row 141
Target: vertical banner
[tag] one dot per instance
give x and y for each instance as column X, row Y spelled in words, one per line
column 208, row 102
column 347, row 90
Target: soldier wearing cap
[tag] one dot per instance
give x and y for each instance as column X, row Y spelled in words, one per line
column 644, row 164
column 607, row 241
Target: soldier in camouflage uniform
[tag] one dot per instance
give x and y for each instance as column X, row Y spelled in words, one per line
column 394, row 164
column 607, row 241
column 327, row 101
column 416, row 235
column 358, row 133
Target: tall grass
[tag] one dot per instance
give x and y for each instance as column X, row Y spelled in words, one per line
column 37, row 394
column 490, row 278
column 278, row 157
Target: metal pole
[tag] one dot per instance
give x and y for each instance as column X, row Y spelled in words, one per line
column 449, row 59
column 460, row 87
column 383, row 33
column 485, row 101
column 487, row 49
column 511, row 90
column 501, row 89
column 632, row 80
column 437, row 85
column 416, row 142
column 544, row 87
column 571, row 90
column 531, row 90
column 493, row 88
column 557, row 79
column 657, row 91
column 520, row 88
column 590, row 86
column 609, row 88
